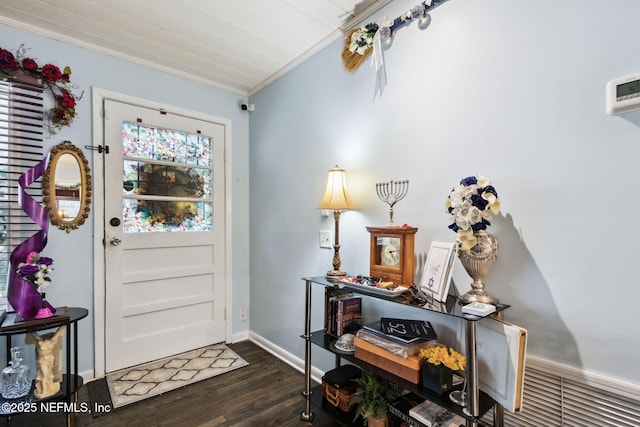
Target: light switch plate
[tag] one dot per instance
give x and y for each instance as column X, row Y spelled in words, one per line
column 325, row 239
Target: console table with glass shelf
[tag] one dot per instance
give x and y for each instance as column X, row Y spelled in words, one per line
column 71, row 380
column 478, row 403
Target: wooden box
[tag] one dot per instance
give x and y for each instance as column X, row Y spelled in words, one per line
column 406, row 368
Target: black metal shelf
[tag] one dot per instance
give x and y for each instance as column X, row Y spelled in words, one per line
column 323, row 340
column 480, row 402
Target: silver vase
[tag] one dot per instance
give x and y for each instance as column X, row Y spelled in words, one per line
column 478, row 261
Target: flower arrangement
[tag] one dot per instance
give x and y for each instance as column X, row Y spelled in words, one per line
column 55, row 80
column 471, row 205
column 362, row 39
column 442, row 355
column 35, row 270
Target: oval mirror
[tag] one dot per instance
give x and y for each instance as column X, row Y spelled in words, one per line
column 66, row 187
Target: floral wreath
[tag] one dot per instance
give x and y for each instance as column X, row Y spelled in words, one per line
column 55, row 80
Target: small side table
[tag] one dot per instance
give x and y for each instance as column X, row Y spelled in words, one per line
column 71, row 381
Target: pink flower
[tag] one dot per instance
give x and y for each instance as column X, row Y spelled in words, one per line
column 32, row 257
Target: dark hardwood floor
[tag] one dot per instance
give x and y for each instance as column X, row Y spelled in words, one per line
column 265, row 393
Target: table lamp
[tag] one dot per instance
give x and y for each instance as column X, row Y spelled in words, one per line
column 336, row 198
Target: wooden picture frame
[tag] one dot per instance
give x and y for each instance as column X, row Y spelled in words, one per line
column 436, row 275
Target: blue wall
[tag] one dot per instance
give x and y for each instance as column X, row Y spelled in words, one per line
column 511, row 90
column 73, row 253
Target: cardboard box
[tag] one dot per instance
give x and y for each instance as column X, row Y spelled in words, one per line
column 406, row 368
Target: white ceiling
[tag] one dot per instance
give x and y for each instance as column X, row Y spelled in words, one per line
column 237, row 45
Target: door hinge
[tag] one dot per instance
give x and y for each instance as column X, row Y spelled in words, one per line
column 99, row 148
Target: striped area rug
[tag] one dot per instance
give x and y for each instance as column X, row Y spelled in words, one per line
column 151, row 379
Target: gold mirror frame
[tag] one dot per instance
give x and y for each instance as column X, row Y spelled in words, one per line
column 49, row 195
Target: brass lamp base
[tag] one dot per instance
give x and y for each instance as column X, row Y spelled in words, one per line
column 336, row 273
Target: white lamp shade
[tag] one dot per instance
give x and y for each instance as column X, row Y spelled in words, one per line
column 336, row 197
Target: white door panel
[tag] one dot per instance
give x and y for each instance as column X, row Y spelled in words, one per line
column 165, row 290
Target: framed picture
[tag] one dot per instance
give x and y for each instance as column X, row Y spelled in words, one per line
column 436, row 276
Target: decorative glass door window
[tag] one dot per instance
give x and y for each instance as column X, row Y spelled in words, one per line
column 167, row 180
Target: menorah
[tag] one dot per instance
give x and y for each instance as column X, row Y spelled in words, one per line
column 391, row 193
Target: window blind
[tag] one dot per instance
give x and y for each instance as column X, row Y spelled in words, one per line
column 21, row 148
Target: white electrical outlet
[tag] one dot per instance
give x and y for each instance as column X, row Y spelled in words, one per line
column 325, row 239
column 243, row 315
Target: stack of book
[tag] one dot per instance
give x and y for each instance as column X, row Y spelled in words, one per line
column 430, row 414
column 408, row 329
column 411, row 410
column 343, row 313
column 399, row 336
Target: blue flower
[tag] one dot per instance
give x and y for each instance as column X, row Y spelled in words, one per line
column 468, row 181
column 479, row 202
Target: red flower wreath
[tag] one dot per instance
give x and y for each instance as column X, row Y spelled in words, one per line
column 56, row 81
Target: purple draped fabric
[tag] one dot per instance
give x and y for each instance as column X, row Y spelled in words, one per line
column 22, row 295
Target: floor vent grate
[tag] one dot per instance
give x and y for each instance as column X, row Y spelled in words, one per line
column 558, row 395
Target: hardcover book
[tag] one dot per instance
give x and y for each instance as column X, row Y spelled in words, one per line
column 376, row 329
column 331, row 299
column 433, row 415
column 408, row 329
column 349, row 315
column 400, row 408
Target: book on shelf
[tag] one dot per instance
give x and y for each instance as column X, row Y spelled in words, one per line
column 431, row 414
column 399, row 410
column 376, row 328
column 349, row 315
column 342, row 312
column 372, row 333
column 408, row 329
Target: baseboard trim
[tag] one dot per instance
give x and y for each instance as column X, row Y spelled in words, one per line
column 240, row 336
column 87, row 376
column 288, row 358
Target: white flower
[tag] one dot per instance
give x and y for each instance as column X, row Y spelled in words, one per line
column 462, row 222
column 473, row 215
column 467, row 239
column 483, row 182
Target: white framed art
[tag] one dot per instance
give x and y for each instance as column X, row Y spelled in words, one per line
column 436, row 276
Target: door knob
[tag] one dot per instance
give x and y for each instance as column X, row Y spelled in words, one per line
column 115, row 241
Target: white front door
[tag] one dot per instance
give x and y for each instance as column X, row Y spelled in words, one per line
column 164, row 234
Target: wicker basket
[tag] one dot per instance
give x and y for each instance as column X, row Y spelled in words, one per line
column 338, row 397
column 338, row 387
